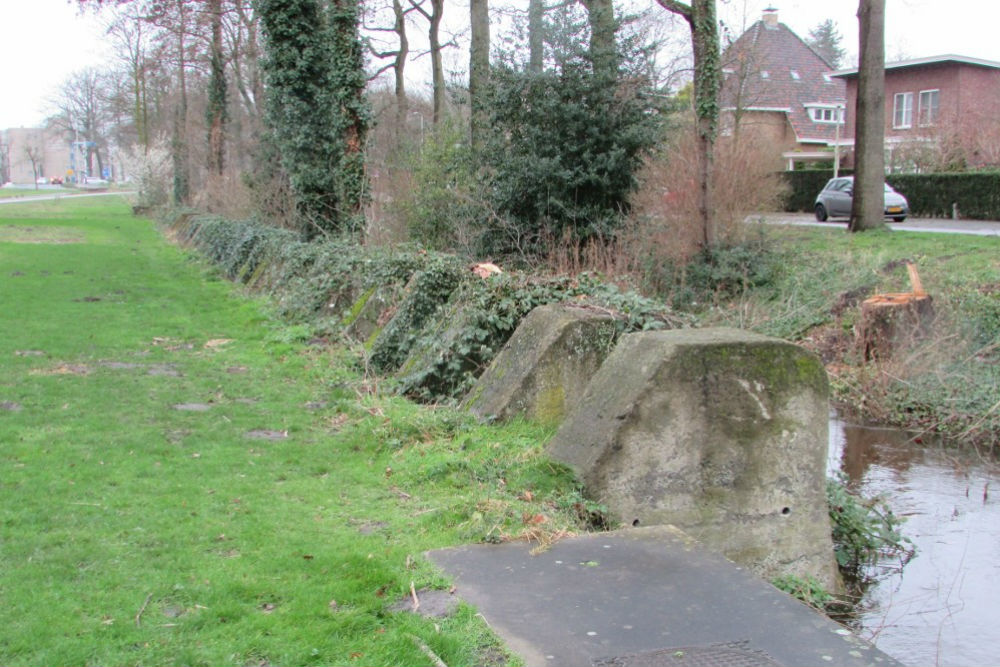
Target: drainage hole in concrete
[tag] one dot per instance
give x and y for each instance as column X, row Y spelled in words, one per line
column 786, row 511
column 635, row 522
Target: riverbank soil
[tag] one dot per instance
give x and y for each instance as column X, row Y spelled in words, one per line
column 184, row 480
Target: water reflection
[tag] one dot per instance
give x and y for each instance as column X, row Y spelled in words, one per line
column 943, row 608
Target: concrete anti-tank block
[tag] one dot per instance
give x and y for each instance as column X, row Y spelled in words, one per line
column 544, row 368
column 720, row 432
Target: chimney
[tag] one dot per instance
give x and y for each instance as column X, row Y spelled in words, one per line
column 771, row 17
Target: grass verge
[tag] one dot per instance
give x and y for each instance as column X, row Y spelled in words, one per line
column 185, row 480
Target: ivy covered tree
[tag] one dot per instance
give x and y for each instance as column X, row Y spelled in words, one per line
column 316, row 110
column 701, row 18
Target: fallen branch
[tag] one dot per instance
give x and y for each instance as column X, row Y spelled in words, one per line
column 138, row 616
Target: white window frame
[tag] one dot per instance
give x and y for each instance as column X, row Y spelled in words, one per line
column 933, row 109
column 902, row 115
column 828, row 115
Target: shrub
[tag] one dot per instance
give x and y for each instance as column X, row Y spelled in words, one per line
column 568, row 178
column 664, row 233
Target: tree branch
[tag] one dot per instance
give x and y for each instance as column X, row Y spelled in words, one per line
column 676, row 7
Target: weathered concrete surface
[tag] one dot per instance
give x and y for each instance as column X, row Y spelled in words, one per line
column 720, row 432
column 646, row 596
column 543, row 370
column 368, row 313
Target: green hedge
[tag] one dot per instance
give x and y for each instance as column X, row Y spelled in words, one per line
column 930, row 195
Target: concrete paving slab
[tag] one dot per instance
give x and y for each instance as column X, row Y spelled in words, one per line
column 643, row 597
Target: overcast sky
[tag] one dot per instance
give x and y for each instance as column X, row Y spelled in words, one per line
column 43, row 41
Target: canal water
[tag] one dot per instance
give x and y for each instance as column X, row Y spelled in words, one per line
column 943, row 606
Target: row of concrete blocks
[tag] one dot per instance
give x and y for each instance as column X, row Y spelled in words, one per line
column 719, row 432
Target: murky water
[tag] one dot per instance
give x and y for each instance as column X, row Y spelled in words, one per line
column 943, row 607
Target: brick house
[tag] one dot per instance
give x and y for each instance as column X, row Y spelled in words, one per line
column 940, row 112
column 778, row 89
column 22, row 146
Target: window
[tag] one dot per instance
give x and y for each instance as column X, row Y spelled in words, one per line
column 928, row 111
column 902, row 110
column 826, row 114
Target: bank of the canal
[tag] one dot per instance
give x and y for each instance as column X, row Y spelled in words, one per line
column 940, row 608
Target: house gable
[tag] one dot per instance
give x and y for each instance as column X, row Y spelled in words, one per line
column 769, row 68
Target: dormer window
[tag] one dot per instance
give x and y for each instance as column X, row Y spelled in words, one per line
column 825, row 113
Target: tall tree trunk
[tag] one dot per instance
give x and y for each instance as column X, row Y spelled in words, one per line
column 182, row 184
column 536, row 36
column 434, row 35
column 867, row 210
column 700, row 15
column 436, row 64
column 349, row 82
column 479, row 66
column 603, row 49
column 399, row 67
column 216, row 113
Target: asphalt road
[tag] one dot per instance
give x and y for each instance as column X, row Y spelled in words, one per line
column 938, row 225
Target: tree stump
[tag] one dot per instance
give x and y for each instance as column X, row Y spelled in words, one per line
column 890, row 321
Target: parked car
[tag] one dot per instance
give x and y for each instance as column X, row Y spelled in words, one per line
column 834, row 201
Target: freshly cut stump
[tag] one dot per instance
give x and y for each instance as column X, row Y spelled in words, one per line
column 891, row 321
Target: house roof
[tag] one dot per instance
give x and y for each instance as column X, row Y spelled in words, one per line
column 770, row 68
column 920, row 62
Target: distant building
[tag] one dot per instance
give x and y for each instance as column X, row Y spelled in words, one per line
column 29, row 153
column 940, row 112
column 777, row 88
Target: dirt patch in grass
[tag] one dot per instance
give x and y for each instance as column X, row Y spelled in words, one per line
column 264, row 434
column 55, row 235
column 432, row 603
column 10, row 406
column 192, row 407
column 62, row 369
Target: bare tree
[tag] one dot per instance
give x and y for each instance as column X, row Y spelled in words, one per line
column 434, row 18
column 399, row 54
column 83, row 111
column 700, row 15
column 33, row 151
column 867, row 209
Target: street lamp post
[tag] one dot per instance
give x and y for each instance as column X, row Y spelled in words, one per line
column 836, row 142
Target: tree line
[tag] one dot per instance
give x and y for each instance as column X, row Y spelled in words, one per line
column 274, row 98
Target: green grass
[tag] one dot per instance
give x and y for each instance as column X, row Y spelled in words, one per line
column 132, row 532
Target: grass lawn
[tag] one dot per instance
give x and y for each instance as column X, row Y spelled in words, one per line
column 184, row 480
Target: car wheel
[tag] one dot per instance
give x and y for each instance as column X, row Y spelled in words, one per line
column 821, row 213
column 898, row 218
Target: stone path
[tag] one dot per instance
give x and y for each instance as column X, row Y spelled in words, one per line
column 643, row 597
